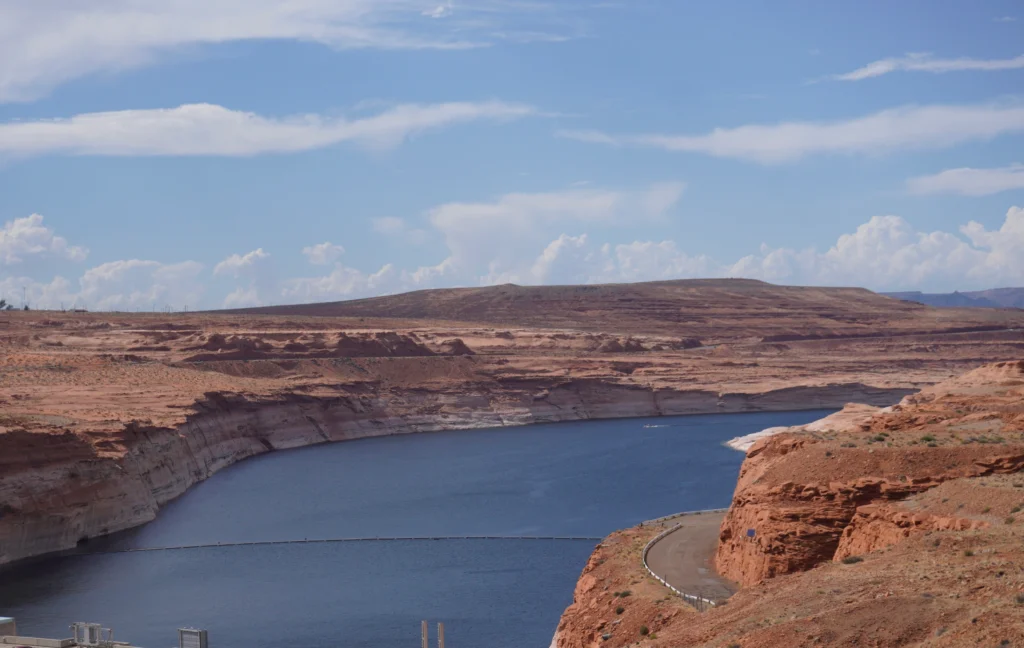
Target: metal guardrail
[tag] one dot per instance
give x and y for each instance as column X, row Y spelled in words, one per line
column 695, row 600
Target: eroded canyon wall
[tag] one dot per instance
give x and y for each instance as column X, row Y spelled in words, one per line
column 60, row 488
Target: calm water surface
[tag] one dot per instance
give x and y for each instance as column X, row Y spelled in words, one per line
column 582, row 478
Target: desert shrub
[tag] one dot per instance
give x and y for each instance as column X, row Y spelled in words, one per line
column 620, row 610
column 928, row 438
column 644, row 631
column 968, row 553
column 1010, row 520
column 850, row 560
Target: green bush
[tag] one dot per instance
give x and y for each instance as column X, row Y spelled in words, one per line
column 620, row 610
column 644, row 631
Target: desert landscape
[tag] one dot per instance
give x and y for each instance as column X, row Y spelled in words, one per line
column 106, row 417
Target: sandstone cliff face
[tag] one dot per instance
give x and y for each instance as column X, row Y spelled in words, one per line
column 821, row 493
column 60, row 488
column 876, row 526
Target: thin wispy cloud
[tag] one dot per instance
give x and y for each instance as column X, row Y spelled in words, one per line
column 926, row 63
column 896, row 129
column 1005, row 19
column 211, row 130
column 46, row 43
column 970, row 182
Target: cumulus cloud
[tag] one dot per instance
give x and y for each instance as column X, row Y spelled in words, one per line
column 44, row 44
column 323, row 253
column 238, row 265
column 494, row 238
column 131, row 284
column 970, row 182
column 28, row 237
column 440, row 11
column 211, row 130
column 341, row 283
column 896, row 129
column 140, row 284
column 926, row 63
column 885, row 253
column 398, row 228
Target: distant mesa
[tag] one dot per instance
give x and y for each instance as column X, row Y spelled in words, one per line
column 993, row 298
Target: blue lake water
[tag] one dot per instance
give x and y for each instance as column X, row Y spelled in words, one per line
column 584, row 478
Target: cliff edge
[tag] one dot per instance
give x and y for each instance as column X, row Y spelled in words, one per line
column 899, row 526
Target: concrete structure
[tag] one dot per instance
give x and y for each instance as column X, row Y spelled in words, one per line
column 89, row 635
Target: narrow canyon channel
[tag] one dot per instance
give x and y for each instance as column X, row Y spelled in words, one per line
column 584, row 478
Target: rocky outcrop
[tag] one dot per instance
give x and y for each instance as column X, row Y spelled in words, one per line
column 876, row 526
column 823, row 491
column 894, row 527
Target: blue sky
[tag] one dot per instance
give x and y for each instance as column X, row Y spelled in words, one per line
column 228, row 153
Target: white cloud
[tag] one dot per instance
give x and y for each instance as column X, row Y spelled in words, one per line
column 925, row 63
column 135, row 283
column 908, row 127
column 206, row 129
column 970, row 182
column 242, row 298
column 440, row 11
column 341, row 283
column 238, row 265
column 43, row 44
column 28, row 237
column 1005, row 19
column 885, row 253
column 488, row 241
column 398, row 228
column 323, row 253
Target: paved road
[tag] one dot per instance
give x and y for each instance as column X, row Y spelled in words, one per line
column 684, row 557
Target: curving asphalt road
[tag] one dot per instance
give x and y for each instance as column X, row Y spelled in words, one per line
column 684, row 557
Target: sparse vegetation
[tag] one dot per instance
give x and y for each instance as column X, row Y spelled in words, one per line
column 1011, row 520
column 851, row 560
column 644, row 630
column 928, row 438
column 968, row 553
column 620, row 610
column 986, row 509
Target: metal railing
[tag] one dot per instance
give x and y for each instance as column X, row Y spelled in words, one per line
column 696, row 600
